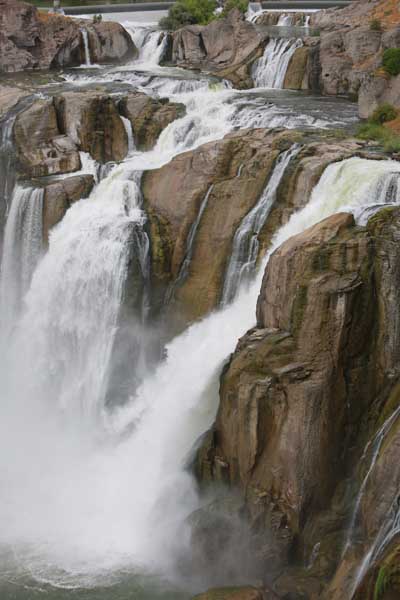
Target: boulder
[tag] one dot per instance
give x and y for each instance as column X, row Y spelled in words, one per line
column 91, row 120
column 41, row 149
column 33, row 40
column 58, row 197
column 226, row 47
column 148, row 117
column 109, row 42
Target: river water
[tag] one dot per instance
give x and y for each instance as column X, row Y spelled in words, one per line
column 94, row 501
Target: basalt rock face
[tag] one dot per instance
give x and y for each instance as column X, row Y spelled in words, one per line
column 230, row 173
column 149, row 117
column 33, row 40
column 226, row 48
column 41, row 148
column 301, row 396
column 91, row 120
column 59, row 196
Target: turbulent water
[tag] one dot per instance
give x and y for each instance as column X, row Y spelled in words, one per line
column 95, row 497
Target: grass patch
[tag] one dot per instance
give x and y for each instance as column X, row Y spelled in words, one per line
column 198, row 12
column 375, row 129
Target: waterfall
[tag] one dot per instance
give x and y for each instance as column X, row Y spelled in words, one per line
column 245, row 246
column 270, row 70
column 86, row 47
column 151, row 43
column 129, row 133
column 307, row 19
column 23, row 244
column 184, row 269
column 114, row 493
column 286, row 20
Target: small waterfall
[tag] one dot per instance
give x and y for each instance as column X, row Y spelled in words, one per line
column 307, row 19
column 386, row 193
column 286, row 20
column 151, row 43
column 184, row 270
column 129, row 133
column 270, row 70
column 23, row 246
column 86, row 47
column 245, row 246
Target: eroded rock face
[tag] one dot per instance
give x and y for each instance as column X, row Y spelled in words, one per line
column 302, row 395
column 149, row 117
column 59, row 196
column 225, row 47
column 41, row 148
column 33, row 40
column 238, row 168
column 91, row 120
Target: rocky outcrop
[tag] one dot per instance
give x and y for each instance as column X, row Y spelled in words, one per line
column 149, row 117
column 9, row 98
column 58, row 197
column 302, row 395
column 292, row 19
column 33, row 40
column 237, row 168
column 91, row 120
column 226, row 48
column 41, row 148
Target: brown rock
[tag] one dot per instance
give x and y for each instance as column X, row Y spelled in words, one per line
column 110, row 42
column 9, row 97
column 295, row 78
column 226, row 47
column 91, row 120
column 41, row 150
column 149, row 117
column 59, row 196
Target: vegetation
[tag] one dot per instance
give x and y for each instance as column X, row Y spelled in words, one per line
column 391, row 61
column 375, row 25
column 381, row 584
column 198, row 12
column 383, row 114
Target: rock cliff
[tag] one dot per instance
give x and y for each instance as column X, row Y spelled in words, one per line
column 300, row 397
column 33, row 40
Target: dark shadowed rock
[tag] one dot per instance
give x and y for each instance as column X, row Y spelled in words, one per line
column 91, row 120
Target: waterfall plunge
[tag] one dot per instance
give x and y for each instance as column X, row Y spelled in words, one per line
column 269, row 71
column 115, row 496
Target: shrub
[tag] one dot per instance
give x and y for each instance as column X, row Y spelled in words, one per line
column 383, row 114
column 391, row 61
column 242, row 5
column 189, row 12
column 375, row 25
column 386, row 138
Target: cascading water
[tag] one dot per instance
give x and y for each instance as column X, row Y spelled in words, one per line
column 269, row 71
column 151, row 43
column 129, row 133
column 114, row 497
column 85, row 38
column 22, row 249
column 184, row 270
column 285, row 20
column 245, row 246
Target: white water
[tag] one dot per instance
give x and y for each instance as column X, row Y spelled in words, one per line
column 270, row 70
column 129, row 133
column 22, row 249
column 151, row 43
column 245, row 245
column 285, row 20
column 85, row 37
column 113, row 490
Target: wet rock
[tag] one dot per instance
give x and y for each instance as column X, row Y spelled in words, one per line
column 226, row 47
column 41, row 149
column 238, row 168
column 9, row 97
column 295, row 78
column 149, row 117
column 91, row 120
column 59, row 196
